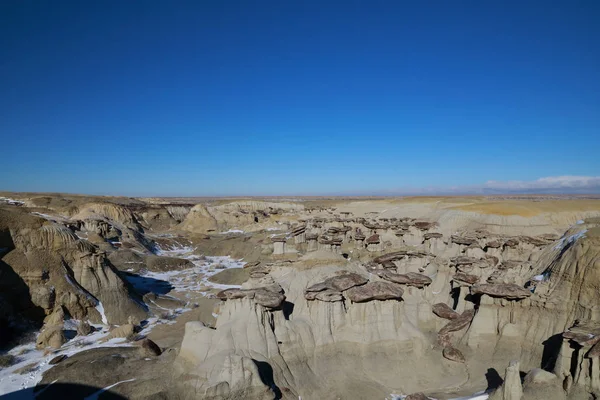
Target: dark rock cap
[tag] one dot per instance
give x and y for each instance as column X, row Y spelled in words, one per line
column 375, row 291
column 443, row 310
column 373, row 239
column 508, row 291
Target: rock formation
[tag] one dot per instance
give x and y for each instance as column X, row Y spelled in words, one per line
column 337, row 301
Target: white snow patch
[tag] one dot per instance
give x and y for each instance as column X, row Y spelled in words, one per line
column 569, row 239
column 12, row 202
column 45, row 216
column 175, row 251
column 181, row 281
column 100, row 309
column 27, row 354
column 187, row 280
column 475, row 396
column 232, row 231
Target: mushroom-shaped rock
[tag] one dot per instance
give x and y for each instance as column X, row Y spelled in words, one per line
column 325, row 239
column 373, row 239
column 259, row 272
column 424, row 225
column 463, row 260
column 508, row 291
column 317, row 287
column 263, row 296
column 432, row 235
column 339, row 283
column 375, row 291
column 458, row 323
column 463, row 240
column 268, row 299
column 396, row 255
column 494, row 244
column 411, row 278
column 462, row 277
column 584, row 333
column 299, row 230
column 327, row 295
column 453, row 354
column 231, row 294
column 346, row 281
column 443, row 310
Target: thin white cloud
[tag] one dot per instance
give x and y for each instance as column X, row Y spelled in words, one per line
column 567, row 183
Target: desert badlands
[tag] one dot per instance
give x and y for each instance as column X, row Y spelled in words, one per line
column 305, row 298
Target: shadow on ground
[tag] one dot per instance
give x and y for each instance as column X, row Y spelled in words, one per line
column 63, row 391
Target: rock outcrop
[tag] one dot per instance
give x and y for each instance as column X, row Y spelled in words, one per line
column 375, row 291
column 50, row 268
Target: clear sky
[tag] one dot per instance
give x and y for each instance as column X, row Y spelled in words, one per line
column 296, row 97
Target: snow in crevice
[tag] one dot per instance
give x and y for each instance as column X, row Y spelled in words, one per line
column 232, row 231
column 564, row 241
column 45, row 216
column 100, row 309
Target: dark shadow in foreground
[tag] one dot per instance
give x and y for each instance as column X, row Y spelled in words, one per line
column 494, row 380
column 63, row 391
column 266, row 376
column 288, row 309
column 552, row 347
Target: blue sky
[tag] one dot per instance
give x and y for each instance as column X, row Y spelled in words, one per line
column 297, row 97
